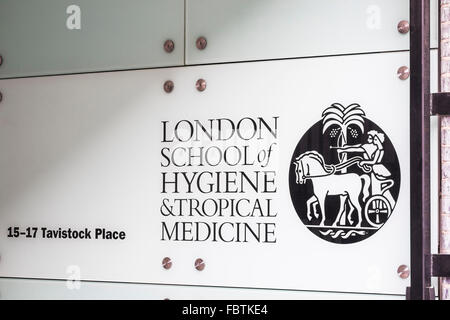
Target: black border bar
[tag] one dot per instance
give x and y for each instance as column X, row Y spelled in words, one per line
column 440, row 104
column 420, row 150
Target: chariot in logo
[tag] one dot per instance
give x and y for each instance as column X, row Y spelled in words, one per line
column 344, row 176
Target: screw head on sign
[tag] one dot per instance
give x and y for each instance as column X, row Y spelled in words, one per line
column 168, row 86
column 199, row 264
column 200, row 85
column 169, row 45
column 403, row 271
column 403, row 73
column 1, row 59
column 403, row 27
column 1, row 97
column 167, row 263
column 201, row 43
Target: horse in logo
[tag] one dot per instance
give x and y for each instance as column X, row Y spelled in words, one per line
column 311, row 165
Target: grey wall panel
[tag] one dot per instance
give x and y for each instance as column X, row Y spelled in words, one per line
column 52, row 289
column 70, row 36
column 267, row 29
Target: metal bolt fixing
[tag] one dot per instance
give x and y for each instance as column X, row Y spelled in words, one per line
column 403, row 271
column 167, row 263
column 403, row 73
column 1, row 97
column 168, row 86
column 201, row 43
column 199, row 264
column 169, row 45
column 403, row 27
column 201, row 85
column 1, row 59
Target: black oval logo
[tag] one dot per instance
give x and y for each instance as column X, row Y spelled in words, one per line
column 344, row 176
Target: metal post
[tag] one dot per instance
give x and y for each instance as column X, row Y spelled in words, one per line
column 420, row 150
column 444, row 135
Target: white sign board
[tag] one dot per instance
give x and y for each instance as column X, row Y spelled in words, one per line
column 286, row 174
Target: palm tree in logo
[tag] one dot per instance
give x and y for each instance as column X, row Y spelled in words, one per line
column 343, row 118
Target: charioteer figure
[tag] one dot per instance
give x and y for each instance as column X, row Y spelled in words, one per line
column 372, row 153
